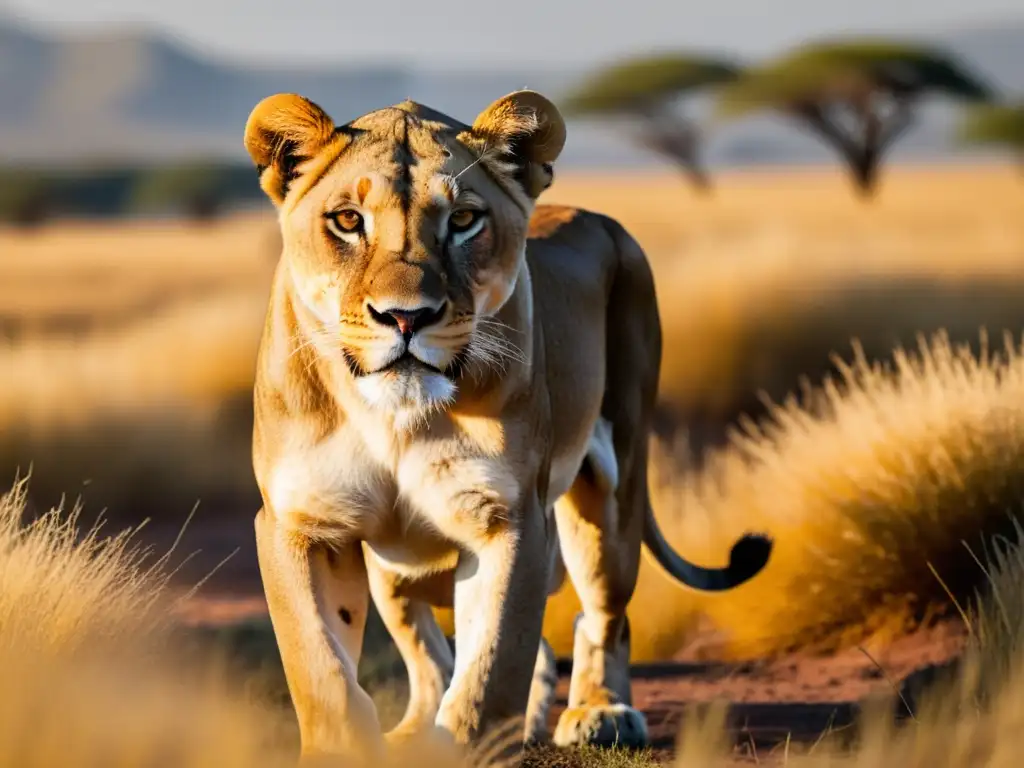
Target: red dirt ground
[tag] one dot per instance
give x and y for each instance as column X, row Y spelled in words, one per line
column 799, row 696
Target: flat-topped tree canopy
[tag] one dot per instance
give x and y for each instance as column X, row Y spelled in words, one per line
column 858, row 95
column 644, row 88
column 636, row 83
column 848, row 70
column 1001, row 124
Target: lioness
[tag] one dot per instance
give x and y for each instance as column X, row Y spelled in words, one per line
column 453, row 398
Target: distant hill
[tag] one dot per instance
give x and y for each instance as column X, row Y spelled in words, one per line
column 138, row 96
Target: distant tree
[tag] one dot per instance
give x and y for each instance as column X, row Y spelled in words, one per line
column 858, row 95
column 26, row 197
column 996, row 124
column 195, row 189
column 645, row 91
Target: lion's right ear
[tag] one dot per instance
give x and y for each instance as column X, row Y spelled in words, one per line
column 282, row 131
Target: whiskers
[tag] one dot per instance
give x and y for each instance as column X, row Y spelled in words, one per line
column 322, row 343
column 486, row 152
column 492, row 348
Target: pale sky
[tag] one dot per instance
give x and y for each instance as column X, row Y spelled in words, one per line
column 546, row 31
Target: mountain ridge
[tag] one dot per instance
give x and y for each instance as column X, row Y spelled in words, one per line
column 136, row 95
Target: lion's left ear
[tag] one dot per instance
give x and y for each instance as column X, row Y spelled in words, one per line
column 529, row 130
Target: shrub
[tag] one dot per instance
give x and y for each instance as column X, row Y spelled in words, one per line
column 871, row 492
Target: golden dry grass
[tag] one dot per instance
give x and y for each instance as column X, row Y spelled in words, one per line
column 193, row 354
column 92, row 673
column 98, row 696
column 60, row 592
column 756, row 270
column 762, row 282
column 871, row 498
column 93, row 269
column 972, row 716
column 86, row 678
column 131, row 349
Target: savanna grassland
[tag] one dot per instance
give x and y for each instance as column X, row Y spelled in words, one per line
column 95, row 674
column 848, row 377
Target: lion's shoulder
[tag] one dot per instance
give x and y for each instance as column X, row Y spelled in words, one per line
column 572, row 244
column 566, row 224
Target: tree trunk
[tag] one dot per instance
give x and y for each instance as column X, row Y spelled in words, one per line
column 864, row 171
column 203, row 208
column 868, row 151
column 861, row 149
column 695, row 174
column 677, row 140
column 31, row 212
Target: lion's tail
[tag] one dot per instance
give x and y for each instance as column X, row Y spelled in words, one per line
column 748, row 557
column 636, row 346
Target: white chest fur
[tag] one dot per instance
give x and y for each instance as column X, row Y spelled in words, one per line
column 331, row 484
column 417, row 507
column 348, row 487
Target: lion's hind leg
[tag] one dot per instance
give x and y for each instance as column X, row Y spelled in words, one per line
column 601, row 548
column 542, row 695
column 424, row 649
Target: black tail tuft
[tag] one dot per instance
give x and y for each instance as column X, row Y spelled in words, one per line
column 748, row 557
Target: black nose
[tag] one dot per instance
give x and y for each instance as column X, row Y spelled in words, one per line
column 408, row 321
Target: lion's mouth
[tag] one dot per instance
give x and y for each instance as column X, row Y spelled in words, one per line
column 406, row 362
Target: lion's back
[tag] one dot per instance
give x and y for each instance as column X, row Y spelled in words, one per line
column 595, row 302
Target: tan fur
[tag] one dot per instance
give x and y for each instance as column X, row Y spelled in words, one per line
column 517, row 428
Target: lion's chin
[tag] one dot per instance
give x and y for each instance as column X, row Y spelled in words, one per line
column 409, row 391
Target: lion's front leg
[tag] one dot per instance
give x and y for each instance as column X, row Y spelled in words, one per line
column 318, row 601
column 500, row 592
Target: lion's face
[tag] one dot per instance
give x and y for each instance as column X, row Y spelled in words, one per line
column 404, row 233
column 400, row 251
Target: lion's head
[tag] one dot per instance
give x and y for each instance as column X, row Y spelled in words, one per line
column 403, row 231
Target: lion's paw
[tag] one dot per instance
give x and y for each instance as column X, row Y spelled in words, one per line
column 418, row 734
column 423, row 744
column 402, row 735
column 602, row 726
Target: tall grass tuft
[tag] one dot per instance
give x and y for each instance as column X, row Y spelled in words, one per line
column 879, row 489
column 62, row 591
column 88, row 675
column 972, row 716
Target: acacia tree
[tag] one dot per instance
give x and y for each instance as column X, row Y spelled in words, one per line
column 859, row 95
column 997, row 124
column 645, row 91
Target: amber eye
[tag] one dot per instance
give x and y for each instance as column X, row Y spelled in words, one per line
column 345, row 222
column 463, row 219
